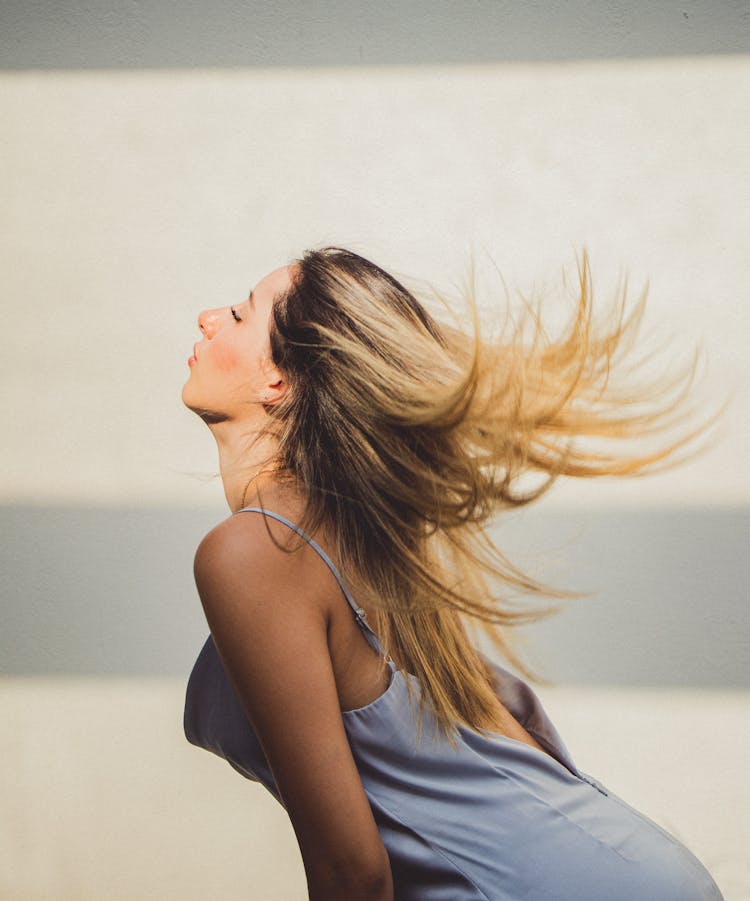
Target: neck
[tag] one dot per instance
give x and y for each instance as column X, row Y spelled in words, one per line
column 247, row 462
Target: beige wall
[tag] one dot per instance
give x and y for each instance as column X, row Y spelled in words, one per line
column 103, row 797
column 132, row 199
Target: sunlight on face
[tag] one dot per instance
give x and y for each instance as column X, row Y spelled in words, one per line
column 232, row 371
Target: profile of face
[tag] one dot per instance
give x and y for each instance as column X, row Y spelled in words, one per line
column 231, row 372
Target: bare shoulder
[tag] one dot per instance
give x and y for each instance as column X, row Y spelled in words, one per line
column 252, row 555
column 253, row 535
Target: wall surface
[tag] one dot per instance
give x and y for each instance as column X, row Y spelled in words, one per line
column 157, row 159
column 109, row 591
column 133, row 199
column 135, row 196
column 104, row 34
column 102, row 797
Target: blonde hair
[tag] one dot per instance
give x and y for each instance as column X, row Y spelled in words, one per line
column 409, row 435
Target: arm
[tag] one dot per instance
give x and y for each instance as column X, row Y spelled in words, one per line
column 269, row 622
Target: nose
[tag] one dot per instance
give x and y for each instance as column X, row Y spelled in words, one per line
column 208, row 321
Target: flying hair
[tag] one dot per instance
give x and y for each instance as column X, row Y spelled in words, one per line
column 412, row 433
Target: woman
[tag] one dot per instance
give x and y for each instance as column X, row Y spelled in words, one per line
column 367, row 446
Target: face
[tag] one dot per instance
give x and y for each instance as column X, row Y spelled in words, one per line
column 231, row 372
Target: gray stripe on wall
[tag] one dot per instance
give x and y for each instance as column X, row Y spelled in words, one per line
column 43, row 34
column 95, row 591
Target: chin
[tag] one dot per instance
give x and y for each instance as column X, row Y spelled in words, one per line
column 185, row 394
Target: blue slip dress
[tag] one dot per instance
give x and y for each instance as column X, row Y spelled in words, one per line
column 494, row 820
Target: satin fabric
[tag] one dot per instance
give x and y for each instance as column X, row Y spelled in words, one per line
column 494, row 819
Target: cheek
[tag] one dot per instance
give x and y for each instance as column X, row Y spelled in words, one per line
column 235, row 361
column 228, row 358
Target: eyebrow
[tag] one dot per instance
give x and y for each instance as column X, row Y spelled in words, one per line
column 251, row 300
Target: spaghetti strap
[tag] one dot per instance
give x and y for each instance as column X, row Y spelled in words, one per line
column 359, row 612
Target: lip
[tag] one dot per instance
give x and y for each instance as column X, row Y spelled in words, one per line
column 194, row 358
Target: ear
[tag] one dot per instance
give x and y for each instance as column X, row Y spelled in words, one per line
column 275, row 384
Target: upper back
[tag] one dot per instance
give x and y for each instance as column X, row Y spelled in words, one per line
column 356, row 655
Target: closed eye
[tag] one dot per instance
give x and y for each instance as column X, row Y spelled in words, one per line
column 234, row 313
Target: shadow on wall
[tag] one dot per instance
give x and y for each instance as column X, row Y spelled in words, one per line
column 110, row 591
column 109, row 35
